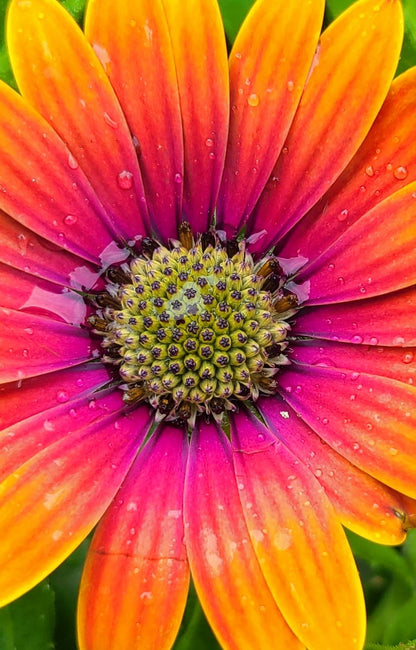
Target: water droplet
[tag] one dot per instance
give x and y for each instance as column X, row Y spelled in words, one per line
column 389, row 167
column 253, row 100
column 369, row 170
column 398, row 340
column 318, row 473
column 373, row 340
column 125, row 180
column 209, row 142
column 260, row 437
column 178, row 178
column 357, row 339
column 62, row 396
column 408, row 357
column 343, row 215
column 109, row 120
column 400, row 173
column 72, row 161
column 70, row 220
column 29, row 330
column 290, row 85
column 393, row 451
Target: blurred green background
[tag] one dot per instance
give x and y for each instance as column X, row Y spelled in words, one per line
column 44, row 619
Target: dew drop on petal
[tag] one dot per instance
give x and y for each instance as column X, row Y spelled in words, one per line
column 72, row 161
column 357, row 339
column 125, row 180
column 398, row 340
column 369, row 170
column 253, row 100
column 70, row 219
column 400, row 173
column 209, row 142
column 290, row 85
column 408, row 357
column 343, row 215
column 62, row 396
column 178, row 178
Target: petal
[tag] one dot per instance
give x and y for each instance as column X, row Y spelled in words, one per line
column 23, row 249
column 50, row 504
column 138, row 552
column 384, row 320
column 362, row 504
column 200, row 54
column 268, row 71
column 131, row 39
column 58, row 72
column 34, row 345
column 371, row 422
column 38, row 428
column 385, row 161
column 344, row 93
column 22, row 399
column 395, row 363
column 227, row 575
column 298, row 540
column 383, row 241
column 40, row 187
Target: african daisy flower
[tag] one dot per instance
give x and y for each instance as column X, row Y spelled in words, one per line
column 208, row 314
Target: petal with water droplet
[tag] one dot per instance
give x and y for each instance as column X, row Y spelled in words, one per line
column 267, row 76
column 138, row 551
column 340, row 105
column 298, row 540
column 58, row 490
column 227, row 575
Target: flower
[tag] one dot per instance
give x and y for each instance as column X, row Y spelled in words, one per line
column 208, row 304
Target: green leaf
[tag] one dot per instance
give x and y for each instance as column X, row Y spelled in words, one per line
column 29, row 621
column 195, row 631
column 233, row 14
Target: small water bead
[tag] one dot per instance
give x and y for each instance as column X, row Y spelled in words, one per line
column 72, row 162
column 253, row 100
column 109, row 120
column 400, row 173
column 70, row 219
column 125, row 180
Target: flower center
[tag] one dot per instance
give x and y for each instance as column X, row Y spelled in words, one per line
column 196, row 327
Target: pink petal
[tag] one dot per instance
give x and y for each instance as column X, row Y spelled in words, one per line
column 362, row 504
column 227, row 575
column 371, row 421
column 138, row 553
column 35, row 345
column 298, row 540
column 384, row 320
column 383, row 241
column 22, row 399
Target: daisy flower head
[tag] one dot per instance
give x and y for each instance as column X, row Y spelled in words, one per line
column 208, row 304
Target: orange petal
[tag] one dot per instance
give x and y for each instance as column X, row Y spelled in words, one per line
column 384, row 163
column 269, row 64
column 344, row 93
column 227, row 575
column 59, row 73
column 135, row 581
column 298, row 540
column 371, row 422
column 132, row 41
column 362, row 504
column 200, row 54
column 50, row 504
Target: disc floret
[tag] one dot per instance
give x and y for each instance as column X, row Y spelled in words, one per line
column 196, row 327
